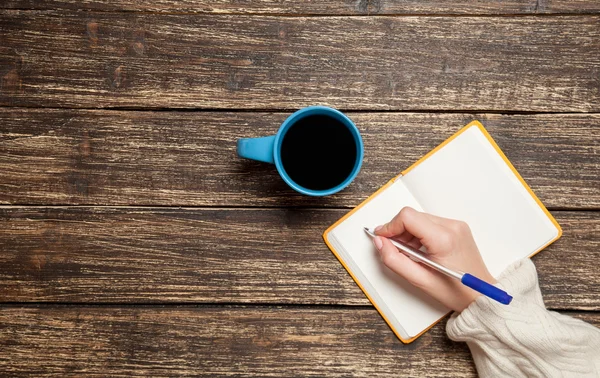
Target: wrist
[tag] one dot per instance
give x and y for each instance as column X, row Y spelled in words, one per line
column 467, row 297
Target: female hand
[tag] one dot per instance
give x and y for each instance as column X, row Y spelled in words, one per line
column 448, row 242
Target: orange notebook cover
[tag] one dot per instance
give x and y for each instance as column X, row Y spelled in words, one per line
column 472, row 153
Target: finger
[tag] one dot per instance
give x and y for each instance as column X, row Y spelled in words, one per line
column 414, row 222
column 414, row 242
column 402, row 265
column 395, row 226
column 392, row 228
column 405, row 237
column 433, row 283
column 440, row 220
column 408, row 239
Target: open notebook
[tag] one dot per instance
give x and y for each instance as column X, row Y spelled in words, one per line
column 467, row 178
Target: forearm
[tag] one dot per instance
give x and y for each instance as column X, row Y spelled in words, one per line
column 523, row 338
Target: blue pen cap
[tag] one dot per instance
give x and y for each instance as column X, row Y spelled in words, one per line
column 486, row 289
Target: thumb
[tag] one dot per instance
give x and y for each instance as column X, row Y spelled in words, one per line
column 418, row 224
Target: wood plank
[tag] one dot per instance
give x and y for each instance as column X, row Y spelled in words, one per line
column 271, row 342
column 321, row 7
column 104, row 59
column 142, row 255
column 188, row 158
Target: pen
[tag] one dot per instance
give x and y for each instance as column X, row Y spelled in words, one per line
column 466, row 279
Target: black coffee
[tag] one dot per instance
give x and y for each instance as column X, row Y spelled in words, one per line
column 318, row 152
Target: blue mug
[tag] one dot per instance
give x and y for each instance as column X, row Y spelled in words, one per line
column 268, row 149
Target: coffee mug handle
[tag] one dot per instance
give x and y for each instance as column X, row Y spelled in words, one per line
column 260, row 149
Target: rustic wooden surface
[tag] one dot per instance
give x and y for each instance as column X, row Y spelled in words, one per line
column 188, row 158
column 139, row 60
column 322, row 7
column 133, row 242
column 150, row 255
column 224, row 341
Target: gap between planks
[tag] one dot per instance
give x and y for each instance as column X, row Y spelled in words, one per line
column 225, row 207
column 288, row 110
column 308, row 15
column 224, row 305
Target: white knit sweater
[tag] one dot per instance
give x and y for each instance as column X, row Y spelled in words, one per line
column 524, row 339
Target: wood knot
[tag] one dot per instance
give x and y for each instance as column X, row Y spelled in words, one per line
column 11, row 82
column 540, row 6
column 139, row 43
column 237, row 82
column 262, row 341
column 92, row 33
column 117, row 77
column 375, row 6
column 84, row 146
column 49, row 251
column 139, row 48
column 37, row 262
column 445, row 66
column 362, row 6
column 368, row 6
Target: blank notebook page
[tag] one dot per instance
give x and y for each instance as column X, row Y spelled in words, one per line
column 467, row 179
column 408, row 309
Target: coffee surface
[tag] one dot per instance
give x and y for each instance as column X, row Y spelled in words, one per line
column 318, row 152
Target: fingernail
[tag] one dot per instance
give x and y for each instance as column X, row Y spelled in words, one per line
column 378, row 242
column 378, row 228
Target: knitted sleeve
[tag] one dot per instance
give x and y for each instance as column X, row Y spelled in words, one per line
column 523, row 339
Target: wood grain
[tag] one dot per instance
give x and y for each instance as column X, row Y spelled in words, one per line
column 269, row 342
column 321, row 7
column 162, row 291
column 103, row 59
column 52, row 156
column 141, row 255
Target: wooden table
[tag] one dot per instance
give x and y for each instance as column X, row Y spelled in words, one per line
column 133, row 241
